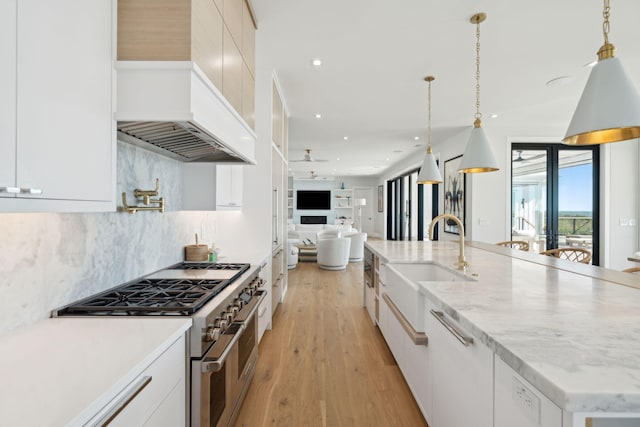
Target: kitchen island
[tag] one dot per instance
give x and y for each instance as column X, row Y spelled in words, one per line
column 569, row 330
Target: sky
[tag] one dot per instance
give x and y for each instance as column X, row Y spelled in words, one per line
column 575, row 188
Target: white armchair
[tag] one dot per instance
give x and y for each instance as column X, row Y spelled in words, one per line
column 292, row 254
column 356, row 253
column 331, row 233
column 333, row 254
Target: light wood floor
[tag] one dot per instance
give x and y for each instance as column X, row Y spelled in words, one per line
column 324, row 363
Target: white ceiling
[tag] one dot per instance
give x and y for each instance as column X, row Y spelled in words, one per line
column 376, row 54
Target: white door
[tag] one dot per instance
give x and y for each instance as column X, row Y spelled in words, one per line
column 366, row 211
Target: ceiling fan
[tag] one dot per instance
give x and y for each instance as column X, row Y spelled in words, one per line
column 519, row 158
column 308, row 158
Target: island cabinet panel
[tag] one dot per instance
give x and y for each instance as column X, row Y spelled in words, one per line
column 413, row 359
column 518, row 403
column 462, row 377
column 57, row 133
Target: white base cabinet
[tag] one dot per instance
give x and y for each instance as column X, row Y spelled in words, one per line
column 413, row 359
column 461, row 376
column 518, row 403
column 157, row 397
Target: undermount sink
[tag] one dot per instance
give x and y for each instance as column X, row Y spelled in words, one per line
column 401, row 285
column 430, row 272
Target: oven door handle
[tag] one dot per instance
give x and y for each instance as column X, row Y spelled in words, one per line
column 252, row 306
column 213, row 362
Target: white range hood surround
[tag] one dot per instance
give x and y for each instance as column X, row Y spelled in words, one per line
column 177, row 95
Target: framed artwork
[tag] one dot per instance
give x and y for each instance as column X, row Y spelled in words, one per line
column 454, row 194
column 380, row 198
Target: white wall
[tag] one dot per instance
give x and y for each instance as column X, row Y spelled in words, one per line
column 619, row 204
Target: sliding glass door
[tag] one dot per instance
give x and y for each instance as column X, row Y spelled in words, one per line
column 554, row 196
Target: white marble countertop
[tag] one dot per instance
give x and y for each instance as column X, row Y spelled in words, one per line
column 565, row 327
column 61, row 371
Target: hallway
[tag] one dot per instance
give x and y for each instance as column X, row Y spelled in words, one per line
column 324, row 363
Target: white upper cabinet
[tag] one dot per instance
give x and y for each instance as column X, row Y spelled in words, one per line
column 229, row 187
column 7, row 98
column 61, row 124
column 199, row 181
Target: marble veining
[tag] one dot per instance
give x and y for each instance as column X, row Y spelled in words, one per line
column 48, row 260
column 574, row 337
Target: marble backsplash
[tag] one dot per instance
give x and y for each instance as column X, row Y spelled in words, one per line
column 48, row 260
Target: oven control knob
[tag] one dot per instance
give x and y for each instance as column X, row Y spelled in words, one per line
column 234, row 310
column 238, row 303
column 222, row 323
column 229, row 315
column 212, row 334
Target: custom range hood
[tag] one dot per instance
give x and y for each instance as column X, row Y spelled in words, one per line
column 173, row 109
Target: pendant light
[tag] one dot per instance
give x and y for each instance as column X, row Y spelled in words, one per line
column 609, row 109
column 429, row 172
column 478, row 156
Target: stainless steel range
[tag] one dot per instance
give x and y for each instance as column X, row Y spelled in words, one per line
column 222, row 299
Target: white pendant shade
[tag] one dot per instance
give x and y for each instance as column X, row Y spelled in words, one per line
column 609, row 109
column 429, row 172
column 478, row 156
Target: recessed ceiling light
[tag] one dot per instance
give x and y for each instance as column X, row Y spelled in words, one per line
column 318, row 116
column 387, row 159
column 591, row 64
column 397, row 151
column 493, row 116
column 345, row 138
column 316, row 62
column 416, row 138
column 337, row 158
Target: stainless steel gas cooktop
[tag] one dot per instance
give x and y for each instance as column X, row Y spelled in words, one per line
column 180, row 290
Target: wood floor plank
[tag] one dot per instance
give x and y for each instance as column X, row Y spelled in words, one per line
column 324, row 363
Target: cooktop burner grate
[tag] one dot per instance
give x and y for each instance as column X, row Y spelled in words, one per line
column 178, row 297
column 210, row 266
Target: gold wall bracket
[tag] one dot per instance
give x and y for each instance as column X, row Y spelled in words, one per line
column 148, row 204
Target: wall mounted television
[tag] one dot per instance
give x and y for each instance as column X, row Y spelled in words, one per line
column 313, row 200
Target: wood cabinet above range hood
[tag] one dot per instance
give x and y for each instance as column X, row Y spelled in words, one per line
column 172, row 108
column 186, row 78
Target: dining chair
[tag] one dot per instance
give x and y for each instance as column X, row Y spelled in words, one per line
column 571, row 254
column 632, row 270
column 515, row 244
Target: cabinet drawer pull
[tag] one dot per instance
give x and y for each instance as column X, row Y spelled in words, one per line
column 123, row 402
column 31, row 190
column 11, row 190
column 418, row 338
column 466, row 341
